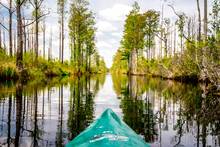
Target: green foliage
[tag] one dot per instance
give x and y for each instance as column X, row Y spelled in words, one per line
column 151, row 19
column 61, row 6
column 181, row 23
column 7, row 67
column 84, row 55
column 133, row 30
column 42, row 69
column 120, row 64
column 139, row 32
column 194, row 57
column 216, row 18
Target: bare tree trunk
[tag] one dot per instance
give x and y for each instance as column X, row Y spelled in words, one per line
column 174, row 45
column 32, row 39
column 189, row 28
column 161, row 33
column 28, row 38
column 10, row 27
column 171, row 42
column 15, row 43
column 50, row 45
column 19, row 63
column 205, row 19
column 25, row 36
column 62, row 28
column 133, row 62
column 199, row 20
column 4, row 39
column 60, row 36
column 36, row 28
column 44, row 39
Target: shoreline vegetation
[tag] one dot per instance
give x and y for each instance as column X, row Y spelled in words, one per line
column 42, row 68
column 179, row 49
column 26, row 47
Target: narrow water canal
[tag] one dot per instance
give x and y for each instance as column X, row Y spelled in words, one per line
column 165, row 113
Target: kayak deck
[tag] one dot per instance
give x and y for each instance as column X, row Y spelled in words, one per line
column 108, row 131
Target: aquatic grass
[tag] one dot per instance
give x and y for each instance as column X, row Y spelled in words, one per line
column 38, row 69
column 8, row 68
column 8, row 71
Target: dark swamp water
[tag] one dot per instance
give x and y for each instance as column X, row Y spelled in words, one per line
column 165, row 113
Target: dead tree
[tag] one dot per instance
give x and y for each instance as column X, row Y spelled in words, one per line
column 19, row 61
column 37, row 6
column 205, row 19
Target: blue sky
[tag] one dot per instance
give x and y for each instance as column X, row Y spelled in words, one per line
column 110, row 16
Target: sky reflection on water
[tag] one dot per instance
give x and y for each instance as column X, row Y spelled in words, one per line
column 164, row 113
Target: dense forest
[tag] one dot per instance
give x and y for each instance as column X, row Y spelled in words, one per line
column 186, row 48
column 23, row 51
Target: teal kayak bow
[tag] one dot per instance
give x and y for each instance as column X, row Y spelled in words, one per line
column 108, row 131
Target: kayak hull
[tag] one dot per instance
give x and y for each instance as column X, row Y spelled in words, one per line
column 108, row 131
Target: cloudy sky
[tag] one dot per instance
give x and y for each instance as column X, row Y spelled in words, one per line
column 110, row 16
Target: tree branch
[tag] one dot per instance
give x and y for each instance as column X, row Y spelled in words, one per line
column 4, row 26
column 174, row 10
column 22, row 2
column 4, row 6
column 184, row 36
column 36, row 20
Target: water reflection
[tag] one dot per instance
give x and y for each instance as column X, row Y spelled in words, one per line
column 164, row 113
column 46, row 114
column 168, row 113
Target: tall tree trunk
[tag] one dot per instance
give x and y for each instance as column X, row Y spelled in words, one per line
column 25, row 36
column 89, row 63
column 15, row 42
column 10, row 27
column 161, row 33
column 199, row 20
column 32, row 39
column 87, row 59
column 44, row 39
column 166, row 46
column 19, row 36
column 189, row 28
column 50, row 45
column 62, row 28
column 174, row 45
column 4, row 38
column 133, row 62
column 205, row 19
column 28, row 38
column 36, row 28
column 60, row 38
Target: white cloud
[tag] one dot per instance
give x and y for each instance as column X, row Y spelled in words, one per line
column 115, row 13
column 99, row 34
column 104, row 26
column 5, row 2
column 113, row 41
column 117, row 34
column 103, row 44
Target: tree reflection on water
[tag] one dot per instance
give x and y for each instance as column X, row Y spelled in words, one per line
column 168, row 113
column 46, row 114
column 163, row 112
